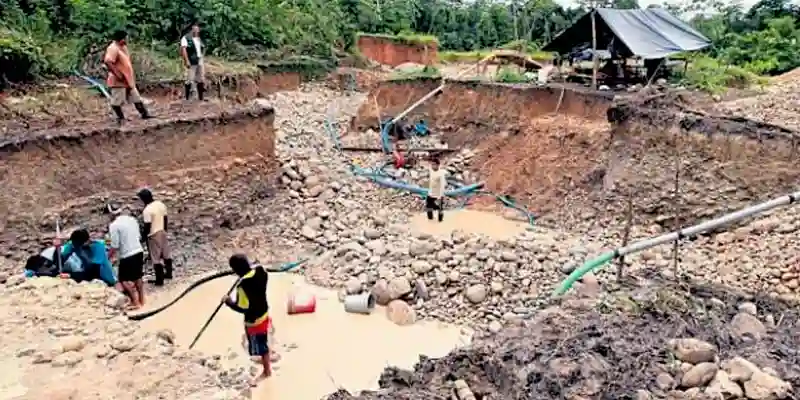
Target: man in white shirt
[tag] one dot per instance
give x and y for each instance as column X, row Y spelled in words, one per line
column 155, row 228
column 192, row 50
column 126, row 245
column 436, row 187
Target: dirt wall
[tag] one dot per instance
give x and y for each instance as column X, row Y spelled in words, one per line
column 474, row 109
column 391, row 52
column 203, row 165
column 243, row 87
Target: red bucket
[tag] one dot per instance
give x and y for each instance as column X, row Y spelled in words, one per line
column 301, row 304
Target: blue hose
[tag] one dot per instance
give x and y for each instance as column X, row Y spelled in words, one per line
column 95, row 83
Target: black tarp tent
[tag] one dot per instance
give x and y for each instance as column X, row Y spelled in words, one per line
column 650, row 34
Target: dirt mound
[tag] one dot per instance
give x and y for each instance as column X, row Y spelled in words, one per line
column 212, row 164
column 613, row 347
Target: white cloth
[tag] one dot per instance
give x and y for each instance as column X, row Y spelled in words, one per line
column 437, row 183
column 125, row 236
column 198, row 45
column 72, row 264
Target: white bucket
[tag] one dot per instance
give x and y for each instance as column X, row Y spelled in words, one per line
column 359, row 303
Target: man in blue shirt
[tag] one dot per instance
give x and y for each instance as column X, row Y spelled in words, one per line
column 93, row 257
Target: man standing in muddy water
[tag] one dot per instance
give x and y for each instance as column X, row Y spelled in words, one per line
column 121, row 80
column 436, row 186
column 154, row 229
column 251, row 300
column 192, row 50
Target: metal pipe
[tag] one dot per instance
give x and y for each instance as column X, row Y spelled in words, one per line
column 605, row 258
column 708, row 225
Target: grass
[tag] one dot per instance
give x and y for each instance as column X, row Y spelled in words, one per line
column 475, row 56
column 708, row 74
column 415, row 73
column 409, row 38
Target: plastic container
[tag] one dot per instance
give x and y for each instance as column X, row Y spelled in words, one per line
column 359, row 303
column 301, row 303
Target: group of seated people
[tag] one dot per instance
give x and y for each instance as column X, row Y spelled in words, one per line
column 81, row 259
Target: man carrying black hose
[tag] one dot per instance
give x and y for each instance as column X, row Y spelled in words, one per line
column 436, row 187
column 251, row 300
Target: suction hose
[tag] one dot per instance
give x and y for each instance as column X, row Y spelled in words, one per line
column 138, row 317
column 723, row 221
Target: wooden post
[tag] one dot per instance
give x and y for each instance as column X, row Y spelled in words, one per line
column 595, row 60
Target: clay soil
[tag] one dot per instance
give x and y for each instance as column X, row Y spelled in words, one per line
column 600, row 349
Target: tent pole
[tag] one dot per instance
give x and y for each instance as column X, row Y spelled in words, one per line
column 595, row 60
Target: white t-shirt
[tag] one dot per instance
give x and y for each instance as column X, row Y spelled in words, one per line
column 438, row 183
column 198, row 45
column 125, row 236
column 154, row 215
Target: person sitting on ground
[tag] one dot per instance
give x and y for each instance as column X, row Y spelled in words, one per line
column 125, row 243
column 155, row 230
column 436, row 187
column 93, row 256
column 251, row 300
column 46, row 265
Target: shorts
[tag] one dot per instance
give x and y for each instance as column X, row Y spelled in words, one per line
column 120, row 96
column 131, row 269
column 258, row 344
column 158, row 246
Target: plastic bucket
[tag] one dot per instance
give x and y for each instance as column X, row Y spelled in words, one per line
column 359, row 303
column 301, row 304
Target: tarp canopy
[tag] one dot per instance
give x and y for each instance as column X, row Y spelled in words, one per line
column 649, row 33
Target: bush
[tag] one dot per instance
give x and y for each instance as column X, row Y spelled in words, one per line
column 510, row 75
column 708, row 74
column 21, row 59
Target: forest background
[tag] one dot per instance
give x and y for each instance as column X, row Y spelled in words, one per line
column 45, row 39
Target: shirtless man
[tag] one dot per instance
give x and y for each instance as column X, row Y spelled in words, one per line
column 121, row 80
column 155, row 230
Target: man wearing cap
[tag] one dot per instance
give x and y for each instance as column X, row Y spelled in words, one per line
column 126, row 245
column 155, row 229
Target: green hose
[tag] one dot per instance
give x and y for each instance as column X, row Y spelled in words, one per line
column 584, row 269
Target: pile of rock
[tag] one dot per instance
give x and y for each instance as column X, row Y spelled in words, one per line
column 66, row 340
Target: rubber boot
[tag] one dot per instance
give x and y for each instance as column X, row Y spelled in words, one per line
column 187, row 91
column 142, row 110
column 168, row 268
column 430, row 214
column 201, row 91
column 118, row 112
column 441, row 215
column 158, row 270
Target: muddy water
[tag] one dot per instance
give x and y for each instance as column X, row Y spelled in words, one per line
column 319, row 352
column 468, row 221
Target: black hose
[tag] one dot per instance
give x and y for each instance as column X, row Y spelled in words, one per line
column 148, row 314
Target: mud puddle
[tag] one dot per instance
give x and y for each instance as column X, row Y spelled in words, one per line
column 320, row 352
column 468, row 221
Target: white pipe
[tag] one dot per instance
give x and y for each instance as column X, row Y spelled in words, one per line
column 708, row 225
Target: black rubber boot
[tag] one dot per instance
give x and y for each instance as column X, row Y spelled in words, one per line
column 201, row 91
column 187, row 91
column 430, row 215
column 142, row 110
column 158, row 270
column 168, row 268
column 441, row 215
column 118, row 112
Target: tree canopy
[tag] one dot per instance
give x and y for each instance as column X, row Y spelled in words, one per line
column 54, row 37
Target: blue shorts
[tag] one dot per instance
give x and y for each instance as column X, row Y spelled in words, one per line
column 257, row 344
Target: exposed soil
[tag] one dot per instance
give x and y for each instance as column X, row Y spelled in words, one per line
column 606, row 348
column 391, row 52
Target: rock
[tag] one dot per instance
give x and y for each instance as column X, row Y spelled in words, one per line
column 723, row 386
column 399, row 287
column 123, row 344
column 73, row 343
column 353, row 286
column 693, row 351
column 749, row 308
column 421, row 290
column 399, row 312
column 381, row 292
column 763, row 386
column 476, row 293
column 699, row 375
column 739, row 369
column 421, row 266
column 744, row 324
column 664, row 381
column 67, row 359
column 495, row 326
